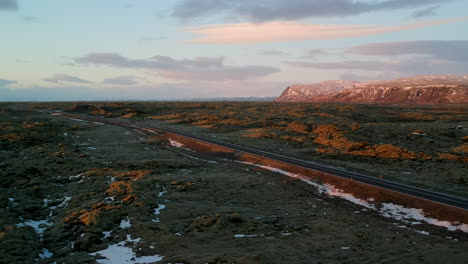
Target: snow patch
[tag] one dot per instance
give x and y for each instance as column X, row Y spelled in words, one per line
column 124, row 224
column 176, row 144
column 109, row 200
column 46, row 202
column 111, row 180
column 107, row 234
column 78, row 120
column 39, row 226
column 134, row 241
column 389, row 210
column 404, row 214
column 244, row 236
column 12, row 201
column 77, row 177
column 65, row 201
column 46, row 254
column 161, row 194
column 157, row 211
column 120, row 254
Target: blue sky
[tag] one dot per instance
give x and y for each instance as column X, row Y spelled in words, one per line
column 175, row 49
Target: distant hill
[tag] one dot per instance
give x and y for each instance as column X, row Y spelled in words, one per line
column 305, row 92
column 427, row 89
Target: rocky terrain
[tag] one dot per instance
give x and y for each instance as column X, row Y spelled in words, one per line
column 307, row 92
column 423, row 146
column 437, row 89
column 82, row 192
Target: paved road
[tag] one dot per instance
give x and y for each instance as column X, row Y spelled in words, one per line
column 398, row 187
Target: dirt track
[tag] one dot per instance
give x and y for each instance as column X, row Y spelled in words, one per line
column 207, row 211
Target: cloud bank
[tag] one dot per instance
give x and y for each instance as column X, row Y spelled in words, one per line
column 295, row 31
column 60, row 77
column 417, row 57
column 4, row 82
column 201, row 68
column 121, row 80
column 455, row 50
column 8, row 5
column 269, row 10
column 429, row 11
column 274, row 53
column 161, row 91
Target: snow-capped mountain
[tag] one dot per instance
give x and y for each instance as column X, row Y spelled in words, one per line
column 427, row 89
column 305, row 92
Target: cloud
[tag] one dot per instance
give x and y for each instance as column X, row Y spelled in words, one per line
column 315, row 53
column 274, row 53
column 121, row 80
column 392, row 59
column 31, row 19
column 8, row 5
column 407, row 66
column 350, row 76
column 429, row 11
column 46, row 94
column 157, row 91
column 295, row 31
column 60, row 77
column 201, row 68
column 4, row 82
column 269, row 10
column 454, row 50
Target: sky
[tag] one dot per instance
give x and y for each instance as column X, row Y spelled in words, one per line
column 56, row 50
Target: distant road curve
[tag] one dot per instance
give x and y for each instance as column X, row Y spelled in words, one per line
column 389, row 185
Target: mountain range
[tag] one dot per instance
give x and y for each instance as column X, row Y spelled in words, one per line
column 424, row 89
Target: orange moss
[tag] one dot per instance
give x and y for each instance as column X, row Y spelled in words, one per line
column 12, row 137
column 326, row 150
column 126, row 175
column 345, row 108
column 418, row 132
column 207, row 126
column 207, row 120
column 101, row 112
column 232, row 121
column 229, row 113
column 258, row 133
column 298, row 127
column 323, row 115
column 129, row 115
column 387, row 151
column 297, row 139
column 333, row 137
column 167, row 117
column 461, row 149
column 27, row 125
column 115, row 105
column 133, row 175
column 448, row 156
column 330, row 135
column 355, row 127
column 282, row 123
column 297, row 113
column 88, row 217
column 418, row 116
column 123, row 190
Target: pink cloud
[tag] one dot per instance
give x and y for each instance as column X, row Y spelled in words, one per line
column 295, row 31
